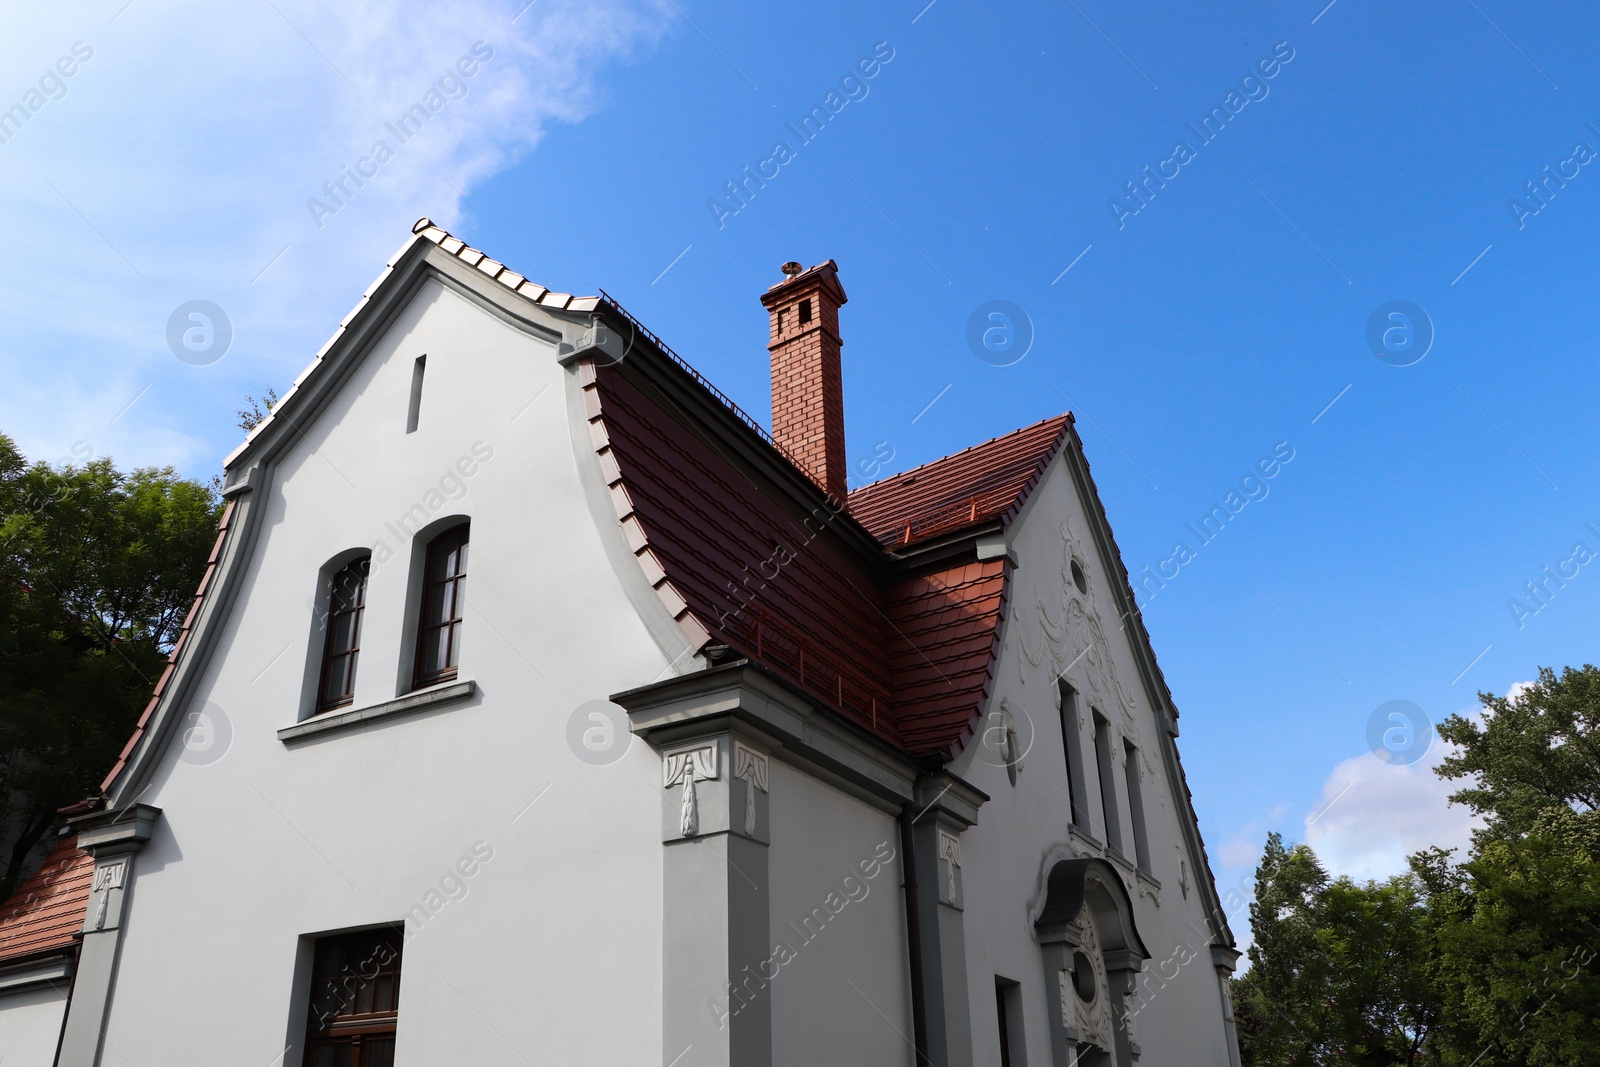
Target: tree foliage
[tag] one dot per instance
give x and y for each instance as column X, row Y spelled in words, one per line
column 1338, row 970
column 1517, row 957
column 1488, row 962
column 97, row 570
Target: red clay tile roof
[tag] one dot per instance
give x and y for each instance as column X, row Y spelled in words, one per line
column 729, row 563
column 46, row 911
column 910, row 658
column 973, row 485
column 946, row 638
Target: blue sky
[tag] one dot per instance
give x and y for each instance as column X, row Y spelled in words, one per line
column 980, row 162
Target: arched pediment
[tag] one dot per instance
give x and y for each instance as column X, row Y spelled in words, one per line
column 1094, row 882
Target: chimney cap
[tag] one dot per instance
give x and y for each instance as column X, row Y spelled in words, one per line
column 792, row 269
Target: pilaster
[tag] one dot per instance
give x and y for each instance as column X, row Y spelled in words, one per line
column 943, row 807
column 113, row 838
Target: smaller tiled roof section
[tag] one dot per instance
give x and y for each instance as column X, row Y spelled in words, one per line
column 983, row 482
column 943, row 650
column 46, row 912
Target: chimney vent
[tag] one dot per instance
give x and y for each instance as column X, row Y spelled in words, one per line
column 807, row 384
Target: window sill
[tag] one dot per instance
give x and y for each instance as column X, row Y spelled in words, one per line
column 1085, row 836
column 410, row 704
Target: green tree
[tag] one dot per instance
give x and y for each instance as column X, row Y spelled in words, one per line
column 1520, row 919
column 1281, row 1002
column 1338, row 970
column 97, row 570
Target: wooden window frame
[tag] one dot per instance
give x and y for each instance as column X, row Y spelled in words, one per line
column 351, row 655
column 352, row 1029
column 457, row 538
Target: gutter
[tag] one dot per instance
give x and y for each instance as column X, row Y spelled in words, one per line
column 919, row 1005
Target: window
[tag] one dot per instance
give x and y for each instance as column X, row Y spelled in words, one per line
column 444, row 578
column 1008, row 1010
column 805, row 311
column 1072, row 745
column 414, row 411
column 1108, row 784
column 347, row 597
column 355, row 1000
column 1141, row 842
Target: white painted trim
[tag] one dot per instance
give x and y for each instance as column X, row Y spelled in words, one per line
column 410, row 704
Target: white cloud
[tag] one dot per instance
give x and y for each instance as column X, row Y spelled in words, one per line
column 179, row 158
column 1372, row 815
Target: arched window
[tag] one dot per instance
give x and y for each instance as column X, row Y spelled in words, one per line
column 347, row 596
column 444, row 578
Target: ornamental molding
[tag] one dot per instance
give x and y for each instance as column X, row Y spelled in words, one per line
column 1071, row 633
column 750, row 766
column 1092, row 1016
column 950, row 853
column 684, row 767
column 106, row 878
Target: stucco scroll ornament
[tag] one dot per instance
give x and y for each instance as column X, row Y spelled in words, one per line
column 1055, row 629
column 1028, row 654
column 950, row 852
column 1132, row 1004
column 1071, row 539
column 684, row 767
column 1092, row 1014
column 1051, row 632
column 106, row 879
column 1088, row 643
column 1081, row 642
column 751, row 766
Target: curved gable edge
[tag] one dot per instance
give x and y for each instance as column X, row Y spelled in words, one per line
column 677, row 631
column 249, row 468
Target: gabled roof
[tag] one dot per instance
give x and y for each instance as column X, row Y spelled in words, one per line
column 889, row 614
column 46, row 912
column 740, row 545
column 976, row 484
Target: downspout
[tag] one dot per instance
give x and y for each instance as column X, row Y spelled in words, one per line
column 919, row 1007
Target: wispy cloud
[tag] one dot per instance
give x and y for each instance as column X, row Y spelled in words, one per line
column 1372, row 815
column 177, row 162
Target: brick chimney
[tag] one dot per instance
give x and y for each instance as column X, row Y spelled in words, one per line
column 807, row 389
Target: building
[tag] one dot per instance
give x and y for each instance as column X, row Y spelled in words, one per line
column 711, row 762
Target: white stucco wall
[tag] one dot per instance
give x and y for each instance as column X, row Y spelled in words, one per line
column 844, row 997
column 30, row 1026
column 551, row 950
column 562, row 925
column 1023, row 829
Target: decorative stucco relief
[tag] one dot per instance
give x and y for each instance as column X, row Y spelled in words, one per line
column 750, row 766
column 1091, row 1015
column 1070, row 630
column 684, row 767
column 950, row 853
column 107, row 878
column 1130, row 1010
